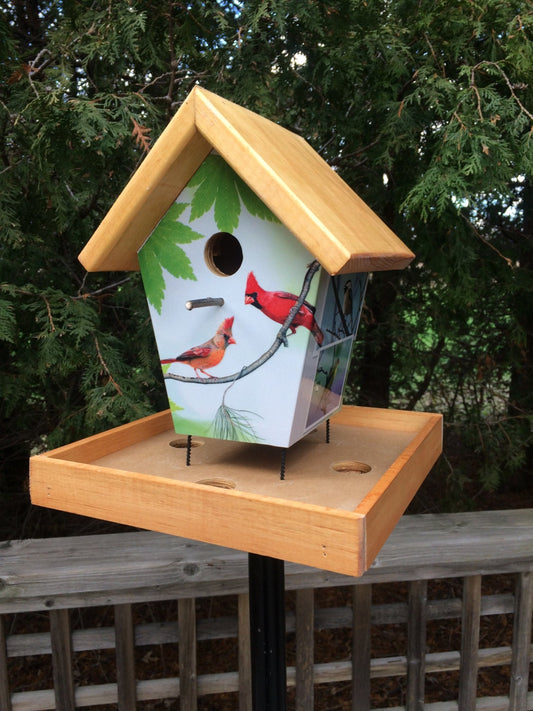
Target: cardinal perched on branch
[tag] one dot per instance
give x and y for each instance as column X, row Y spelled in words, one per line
column 209, row 353
column 277, row 304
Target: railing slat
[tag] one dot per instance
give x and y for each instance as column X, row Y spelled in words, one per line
column 156, row 566
column 187, row 654
column 5, row 696
column 416, row 645
column 470, row 642
column 521, row 642
column 245, row 663
column 305, row 649
column 166, row 688
column 62, row 660
column 54, row 576
column 125, row 654
column 22, row 645
column 362, row 610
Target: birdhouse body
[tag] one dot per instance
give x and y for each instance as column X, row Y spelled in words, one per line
column 231, row 207
column 256, row 381
column 254, row 256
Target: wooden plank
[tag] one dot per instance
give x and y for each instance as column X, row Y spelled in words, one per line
column 187, row 654
column 361, row 606
column 521, row 642
column 416, row 645
column 99, row 445
column 267, row 525
column 79, row 571
column 396, row 613
column 166, row 633
column 382, row 419
column 5, row 696
column 435, row 662
column 305, row 649
column 387, row 501
column 488, row 703
column 469, row 642
column 62, row 660
column 385, row 667
column 155, row 633
column 482, row 542
column 125, row 646
column 33, row 700
column 311, row 199
column 330, row 672
column 22, row 645
column 338, row 522
column 254, row 470
column 167, row 688
column 313, row 202
column 245, row 660
column 152, row 633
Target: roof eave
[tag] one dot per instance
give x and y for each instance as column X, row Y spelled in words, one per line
column 150, row 192
column 249, row 144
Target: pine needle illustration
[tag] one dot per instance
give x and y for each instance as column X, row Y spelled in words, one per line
column 233, row 424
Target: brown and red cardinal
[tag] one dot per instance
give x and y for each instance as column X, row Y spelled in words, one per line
column 277, row 304
column 209, row 353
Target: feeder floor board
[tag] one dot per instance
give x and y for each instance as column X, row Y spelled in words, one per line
column 334, row 510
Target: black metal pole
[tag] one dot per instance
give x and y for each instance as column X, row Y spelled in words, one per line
column 267, row 632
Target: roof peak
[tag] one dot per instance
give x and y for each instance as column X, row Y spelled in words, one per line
column 306, row 195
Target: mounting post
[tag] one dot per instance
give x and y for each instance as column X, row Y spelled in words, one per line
column 266, row 578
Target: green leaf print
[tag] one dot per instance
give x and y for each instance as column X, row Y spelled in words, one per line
column 253, row 203
column 217, row 183
column 205, row 180
column 227, row 203
column 162, row 251
column 174, row 406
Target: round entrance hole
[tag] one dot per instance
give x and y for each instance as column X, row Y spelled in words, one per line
column 219, row 483
column 223, row 254
column 182, row 443
column 352, row 467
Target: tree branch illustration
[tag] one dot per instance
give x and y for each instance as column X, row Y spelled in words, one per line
column 280, row 339
column 339, row 306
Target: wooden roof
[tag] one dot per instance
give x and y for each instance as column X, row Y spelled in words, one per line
column 309, row 198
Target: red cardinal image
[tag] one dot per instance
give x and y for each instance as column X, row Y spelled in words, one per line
column 277, row 304
column 209, row 353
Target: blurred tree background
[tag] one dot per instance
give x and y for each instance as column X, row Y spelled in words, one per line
column 425, row 108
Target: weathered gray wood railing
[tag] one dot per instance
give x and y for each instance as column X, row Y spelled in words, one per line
column 57, row 575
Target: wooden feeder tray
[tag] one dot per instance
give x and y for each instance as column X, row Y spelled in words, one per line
column 334, row 510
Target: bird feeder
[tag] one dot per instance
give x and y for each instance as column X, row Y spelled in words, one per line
column 254, row 256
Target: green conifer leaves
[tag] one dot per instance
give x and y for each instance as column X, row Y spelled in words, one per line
column 426, row 115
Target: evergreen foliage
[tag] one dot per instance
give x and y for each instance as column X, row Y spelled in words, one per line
column 425, row 111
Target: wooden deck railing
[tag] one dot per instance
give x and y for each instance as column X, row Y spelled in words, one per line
column 55, row 577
